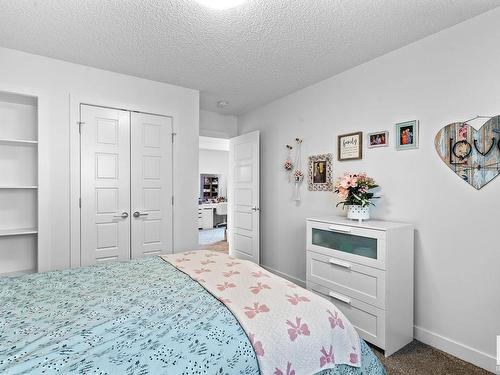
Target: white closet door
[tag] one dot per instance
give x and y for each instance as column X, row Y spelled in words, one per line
column 151, row 184
column 105, row 184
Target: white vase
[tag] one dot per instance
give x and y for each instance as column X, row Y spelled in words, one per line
column 355, row 212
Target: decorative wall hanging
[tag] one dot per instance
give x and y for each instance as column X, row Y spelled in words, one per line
column 320, row 172
column 298, row 175
column 474, row 155
column 407, row 135
column 378, row 139
column 350, row 146
column 288, row 164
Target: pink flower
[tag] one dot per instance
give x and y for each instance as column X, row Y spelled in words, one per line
column 180, row 260
column 291, row 285
column 257, row 345
column 295, row 299
column 224, row 300
column 353, row 358
column 231, row 264
column 327, row 357
column 256, row 309
column 297, row 329
column 259, row 287
column 211, row 255
column 230, row 273
column 225, row 286
column 289, row 370
column 335, row 320
column 190, row 253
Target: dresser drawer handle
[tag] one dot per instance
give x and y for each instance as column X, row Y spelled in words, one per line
column 334, row 295
column 339, row 263
column 339, row 297
column 339, row 228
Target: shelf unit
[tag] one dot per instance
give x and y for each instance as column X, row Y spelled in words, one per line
column 209, row 186
column 18, row 184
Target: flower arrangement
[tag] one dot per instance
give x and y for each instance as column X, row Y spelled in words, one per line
column 354, row 190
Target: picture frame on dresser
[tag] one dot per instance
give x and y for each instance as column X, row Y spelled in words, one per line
column 366, row 270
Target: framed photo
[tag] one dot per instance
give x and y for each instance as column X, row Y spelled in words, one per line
column 407, row 135
column 350, row 146
column 320, row 172
column 378, row 139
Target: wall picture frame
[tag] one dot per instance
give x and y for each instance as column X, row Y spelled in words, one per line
column 320, row 172
column 350, row 146
column 406, row 136
column 378, row 139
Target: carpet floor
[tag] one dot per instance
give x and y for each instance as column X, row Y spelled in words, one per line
column 417, row 358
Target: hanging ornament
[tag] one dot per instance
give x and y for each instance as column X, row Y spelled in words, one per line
column 288, row 164
column 298, row 175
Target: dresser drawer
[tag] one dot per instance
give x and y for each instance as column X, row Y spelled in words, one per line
column 368, row 320
column 363, row 283
column 360, row 245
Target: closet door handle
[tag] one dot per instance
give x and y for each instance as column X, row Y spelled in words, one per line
column 124, row 215
column 138, row 214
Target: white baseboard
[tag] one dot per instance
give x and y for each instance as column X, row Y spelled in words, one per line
column 457, row 349
column 295, row 280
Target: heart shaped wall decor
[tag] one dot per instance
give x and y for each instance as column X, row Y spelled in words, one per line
column 474, row 155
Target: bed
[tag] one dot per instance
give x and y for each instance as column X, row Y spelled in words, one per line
column 145, row 316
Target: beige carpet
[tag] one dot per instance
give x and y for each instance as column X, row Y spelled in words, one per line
column 419, row 359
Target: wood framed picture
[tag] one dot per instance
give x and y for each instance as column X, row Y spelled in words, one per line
column 320, row 172
column 378, row 139
column 350, row 146
column 407, row 135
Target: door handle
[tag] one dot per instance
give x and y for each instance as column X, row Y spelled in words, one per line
column 255, row 209
column 124, row 215
column 340, row 263
column 138, row 214
column 339, row 228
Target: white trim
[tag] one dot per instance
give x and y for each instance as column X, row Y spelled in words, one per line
column 211, row 143
column 293, row 279
column 75, row 100
column 455, row 348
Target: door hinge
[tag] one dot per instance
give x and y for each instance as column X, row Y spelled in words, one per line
column 172, row 200
column 173, row 136
column 80, row 123
column 80, row 202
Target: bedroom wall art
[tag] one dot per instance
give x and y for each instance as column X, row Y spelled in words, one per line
column 406, row 135
column 350, row 146
column 320, row 172
column 293, row 168
column 474, row 155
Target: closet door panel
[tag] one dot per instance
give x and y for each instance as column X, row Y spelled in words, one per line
column 151, row 184
column 105, row 184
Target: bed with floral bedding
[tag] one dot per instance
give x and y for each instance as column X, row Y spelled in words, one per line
column 146, row 316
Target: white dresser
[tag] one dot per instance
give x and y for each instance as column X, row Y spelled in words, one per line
column 366, row 269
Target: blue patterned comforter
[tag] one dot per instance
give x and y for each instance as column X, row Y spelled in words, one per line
column 136, row 317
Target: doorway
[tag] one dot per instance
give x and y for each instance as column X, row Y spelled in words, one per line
column 212, row 198
column 125, row 184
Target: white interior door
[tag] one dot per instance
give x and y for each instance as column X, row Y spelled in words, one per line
column 243, row 198
column 105, row 184
column 151, row 184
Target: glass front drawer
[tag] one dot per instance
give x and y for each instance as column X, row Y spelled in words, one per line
column 347, row 243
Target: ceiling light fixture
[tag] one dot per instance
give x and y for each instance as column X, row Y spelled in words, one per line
column 221, row 4
column 222, row 103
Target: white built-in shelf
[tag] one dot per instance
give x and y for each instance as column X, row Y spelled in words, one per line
column 19, row 187
column 17, row 232
column 17, row 142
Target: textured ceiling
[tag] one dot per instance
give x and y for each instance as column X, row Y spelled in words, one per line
column 248, row 55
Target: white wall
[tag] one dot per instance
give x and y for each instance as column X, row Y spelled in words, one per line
column 450, row 76
column 215, row 162
column 213, row 124
column 57, row 79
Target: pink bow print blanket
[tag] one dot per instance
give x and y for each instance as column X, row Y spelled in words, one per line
column 292, row 330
